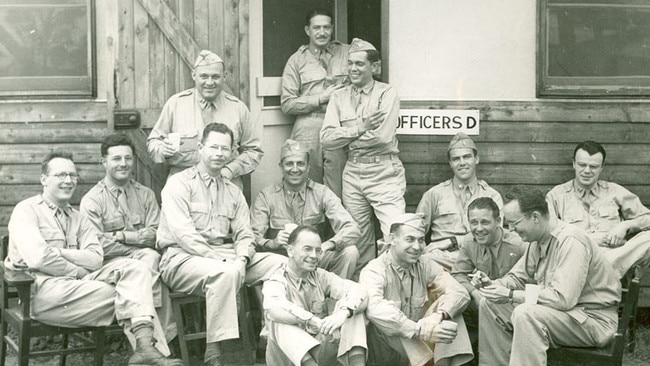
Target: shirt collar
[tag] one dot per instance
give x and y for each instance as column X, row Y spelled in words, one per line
column 112, row 188
column 596, row 190
column 205, row 176
column 366, row 89
column 401, row 271
column 301, row 193
column 297, row 281
column 67, row 208
column 473, row 185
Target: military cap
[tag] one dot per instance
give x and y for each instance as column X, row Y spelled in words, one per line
column 414, row 220
column 206, row 58
column 461, row 141
column 360, row 45
column 293, row 147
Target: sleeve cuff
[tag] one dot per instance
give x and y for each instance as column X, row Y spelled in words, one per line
column 130, row 237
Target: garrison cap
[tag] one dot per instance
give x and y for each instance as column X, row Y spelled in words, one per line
column 414, row 220
column 360, row 45
column 293, row 147
column 461, row 141
column 206, row 58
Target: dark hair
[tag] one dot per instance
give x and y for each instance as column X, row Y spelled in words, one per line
column 485, row 203
column 530, row 199
column 317, row 12
column 116, row 139
column 53, row 155
column 591, row 147
column 219, row 128
column 301, row 228
column 372, row 55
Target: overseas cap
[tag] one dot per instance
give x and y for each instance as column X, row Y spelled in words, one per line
column 206, row 58
column 414, row 220
column 360, row 45
column 461, row 141
column 292, row 147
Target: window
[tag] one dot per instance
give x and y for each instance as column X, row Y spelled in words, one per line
column 593, row 48
column 46, row 48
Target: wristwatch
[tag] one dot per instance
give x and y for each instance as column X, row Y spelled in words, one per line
column 511, row 294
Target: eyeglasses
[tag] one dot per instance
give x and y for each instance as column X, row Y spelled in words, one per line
column 513, row 225
column 62, row 176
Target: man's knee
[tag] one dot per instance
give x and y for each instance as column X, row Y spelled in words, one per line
column 149, row 256
column 526, row 313
column 350, row 254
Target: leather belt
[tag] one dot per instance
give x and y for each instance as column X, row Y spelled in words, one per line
column 371, row 159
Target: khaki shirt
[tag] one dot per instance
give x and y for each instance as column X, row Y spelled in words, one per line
column 190, row 220
column 101, row 206
column 473, row 256
column 303, row 298
column 182, row 114
column 444, row 213
column 38, row 243
column 342, row 120
column 599, row 210
column 321, row 205
column 397, row 296
column 573, row 273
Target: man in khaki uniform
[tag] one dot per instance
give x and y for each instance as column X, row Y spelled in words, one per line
column 126, row 214
column 207, row 239
column 614, row 217
column 297, row 200
column 186, row 114
column 72, row 288
column 414, row 305
column 310, row 76
column 304, row 328
column 445, row 205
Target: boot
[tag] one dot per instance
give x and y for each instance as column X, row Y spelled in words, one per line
column 145, row 353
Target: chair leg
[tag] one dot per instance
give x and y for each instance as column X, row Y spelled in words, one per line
column 64, row 345
column 100, row 337
column 23, row 344
column 246, row 326
column 180, row 324
column 3, row 343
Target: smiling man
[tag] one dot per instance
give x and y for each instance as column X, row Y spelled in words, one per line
column 614, row 217
column 362, row 118
column 297, row 200
column 309, row 78
column 444, row 206
column 207, row 239
column 189, row 111
column 304, row 328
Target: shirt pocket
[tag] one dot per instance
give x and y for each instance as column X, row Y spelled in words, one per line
column 609, row 215
column 417, row 306
column 349, row 120
column 574, row 215
column 200, row 215
column 114, row 223
column 278, row 222
column 312, row 73
column 448, row 217
column 313, row 220
column 53, row 238
column 137, row 221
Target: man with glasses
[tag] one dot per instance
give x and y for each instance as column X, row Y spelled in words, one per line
column 444, row 206
column 614, row 217
column 562, row 292
column 207, row 239
column 126, row 214
column 175, row 137
column 73, row 287
column 309, row 78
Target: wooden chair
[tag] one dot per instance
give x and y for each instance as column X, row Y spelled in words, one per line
column 15, row 297
column 189, row 314
column 612, row 354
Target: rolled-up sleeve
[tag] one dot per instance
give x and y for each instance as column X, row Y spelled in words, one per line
column 332, row 134
column 260, row 218
column 250, row 144
column 346, row 230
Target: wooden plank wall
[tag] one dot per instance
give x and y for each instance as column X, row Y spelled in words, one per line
column 150, row 69
column 533, row 142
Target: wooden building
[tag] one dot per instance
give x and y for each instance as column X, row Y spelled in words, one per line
column 444, row 54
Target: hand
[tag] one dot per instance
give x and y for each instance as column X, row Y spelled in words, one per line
column 495, row 293
column 372, row 121
column 445, row 332
column 324, row 98
column 313, row 325
column 479, row 279
column 82, row 272
column 146, row 238
column 616, row 236
column 328, row 245
column 333, row 322
column 168, row 149
column 226, row 173
column 440, row 245
column 282, row 239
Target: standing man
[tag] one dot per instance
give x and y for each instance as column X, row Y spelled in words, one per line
column 445, row 205
column 614, row 217
column 362, row 118
column 72, row 288
column 413, row 304
column 578, row 293
column 310, row 77
column 303, row 329
column 186, row 114
column 126, row 214
column 207, row 239
column 297, row 200
column 488, row 252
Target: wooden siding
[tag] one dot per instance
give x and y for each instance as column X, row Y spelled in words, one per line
column 533, row 142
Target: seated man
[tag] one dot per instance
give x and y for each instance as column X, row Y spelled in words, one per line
column 59, row 247
column 445, row 205
column 296, row 199
column 406, row 321
column 126, row 214
column 578, row 290
column 303, row 329
column 488, row 252
column 614, row 218
column 206, row 233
